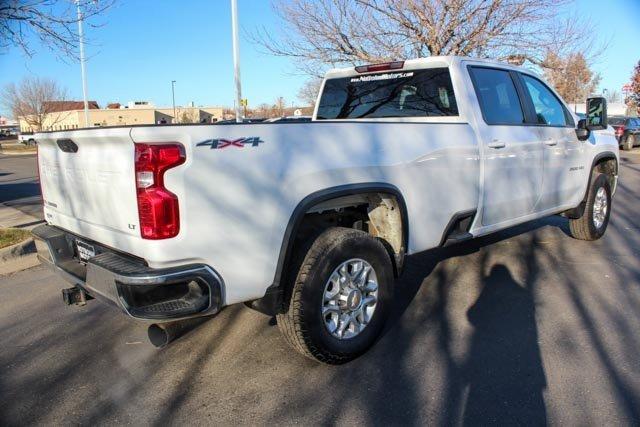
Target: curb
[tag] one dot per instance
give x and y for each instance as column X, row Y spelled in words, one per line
column 13, row 252
column 18, row 153
column 10, row 217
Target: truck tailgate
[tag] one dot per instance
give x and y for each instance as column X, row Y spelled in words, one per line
column 88, row 181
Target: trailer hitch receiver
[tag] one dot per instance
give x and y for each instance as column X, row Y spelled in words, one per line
column 75, row 296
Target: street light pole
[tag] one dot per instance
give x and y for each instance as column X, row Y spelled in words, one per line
column 82, row 68
column 173, row 95
column 236, row 58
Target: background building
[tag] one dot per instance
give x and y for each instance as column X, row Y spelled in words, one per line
column 66, row 115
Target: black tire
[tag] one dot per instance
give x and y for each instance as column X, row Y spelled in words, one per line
column 584, row 228
column 303, row 325
column 627, row 143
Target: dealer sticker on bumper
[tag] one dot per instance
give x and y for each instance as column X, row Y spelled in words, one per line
column 85, row 251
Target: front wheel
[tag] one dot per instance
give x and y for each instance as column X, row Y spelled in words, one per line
column 595, row 218
column 340, row 298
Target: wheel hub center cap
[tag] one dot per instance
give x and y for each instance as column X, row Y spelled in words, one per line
column 350, row 298
column 354, row 299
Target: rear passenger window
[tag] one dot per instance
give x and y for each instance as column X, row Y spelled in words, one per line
column 549, row 110
column 498, row 97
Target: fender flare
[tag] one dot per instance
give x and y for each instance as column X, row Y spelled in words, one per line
column 604, row 155
column 579, row 210
column 286, row 248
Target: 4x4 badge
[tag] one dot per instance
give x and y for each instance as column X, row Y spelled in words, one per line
column 224, row 143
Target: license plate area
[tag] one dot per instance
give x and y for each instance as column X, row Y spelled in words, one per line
column 85, row 251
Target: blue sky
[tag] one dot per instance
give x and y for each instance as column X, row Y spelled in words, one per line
column 144, row 45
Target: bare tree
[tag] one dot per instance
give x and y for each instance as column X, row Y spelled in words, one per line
column 228, row 113
column 261, row 110
column 36, row 101
column 187, row 115
column 613, row 96
column 571, row 76
column 309, row 92
column 52, row 22
column 278, row 107
column 346, row 32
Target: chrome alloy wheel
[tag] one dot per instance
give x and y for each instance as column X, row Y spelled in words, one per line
column 600, row 206
column 350, row 298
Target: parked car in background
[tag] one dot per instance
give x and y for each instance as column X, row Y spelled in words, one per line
column 27, row 138
column 627, row 131
column 8, row 132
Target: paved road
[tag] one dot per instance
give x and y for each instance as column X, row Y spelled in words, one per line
column 19, row 186
column 528, row 326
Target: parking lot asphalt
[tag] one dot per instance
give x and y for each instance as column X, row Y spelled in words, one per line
column 19, row 188
column 527, row 326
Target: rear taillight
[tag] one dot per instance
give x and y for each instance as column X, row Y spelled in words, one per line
column 619, row 130
column 158, row 209
column 397, row 65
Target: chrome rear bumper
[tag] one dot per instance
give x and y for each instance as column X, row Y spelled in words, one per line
column 128, row 283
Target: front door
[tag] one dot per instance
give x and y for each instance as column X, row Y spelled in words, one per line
column 564, row 155
column 513, row 152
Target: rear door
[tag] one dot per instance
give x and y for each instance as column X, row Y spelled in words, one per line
column 512, row 150
column 565, row 170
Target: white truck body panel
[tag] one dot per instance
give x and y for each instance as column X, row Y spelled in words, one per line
column 235, row 203
column 234, row 210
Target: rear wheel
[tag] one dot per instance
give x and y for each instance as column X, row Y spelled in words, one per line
column 595, row 218
column 628, row 142
column 340, row 298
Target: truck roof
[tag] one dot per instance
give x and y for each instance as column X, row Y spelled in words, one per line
column 432, row 61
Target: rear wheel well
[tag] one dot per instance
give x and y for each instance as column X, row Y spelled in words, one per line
column 378, row 214
column 381, row 212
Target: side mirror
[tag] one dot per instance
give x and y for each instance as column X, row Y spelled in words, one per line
column 596, row 113
column 581, row 131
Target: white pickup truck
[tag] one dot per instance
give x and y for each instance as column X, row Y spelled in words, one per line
column 311, row 222
column 27, row 138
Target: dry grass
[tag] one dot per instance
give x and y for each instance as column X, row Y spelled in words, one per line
column 14, row 147
column 11, row 236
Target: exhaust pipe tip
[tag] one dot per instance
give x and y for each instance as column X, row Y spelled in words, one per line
column 162, row 334
column 158, row 335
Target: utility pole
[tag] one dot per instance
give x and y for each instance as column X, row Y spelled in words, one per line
column 82, row 69
column 173, row 96
column 236, row 58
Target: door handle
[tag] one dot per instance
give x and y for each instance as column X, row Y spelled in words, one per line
column 496, row 144
column 550, row 142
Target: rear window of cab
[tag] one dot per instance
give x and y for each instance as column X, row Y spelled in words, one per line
column 414, row 93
